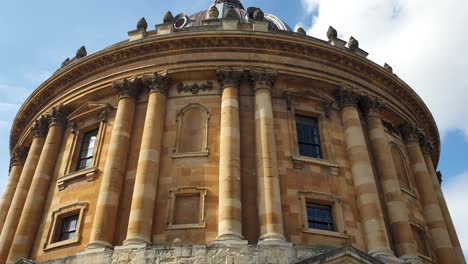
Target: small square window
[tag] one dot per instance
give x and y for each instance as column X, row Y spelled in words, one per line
column 308, row 137
column 68, row 228
column 320, row 217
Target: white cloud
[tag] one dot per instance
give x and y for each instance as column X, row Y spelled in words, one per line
column 455, row 195
column 424, row 41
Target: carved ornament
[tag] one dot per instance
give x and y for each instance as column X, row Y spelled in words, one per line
column 410, row 133
column 159, row 82
column 18, row 156
column 229, row 77
column 372, row 106
column 332, row 33
column 347, row 96
column 128, row 88
column 40, row 127
column 142, row 24
column 194, row 88
column 58, row 115
column 262, row 78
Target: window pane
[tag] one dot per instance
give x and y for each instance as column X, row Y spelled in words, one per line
column 87, row 150
column 68, row 228
column 320, row 217
column 308, row 137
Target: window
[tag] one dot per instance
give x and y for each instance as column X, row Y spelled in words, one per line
column 88, row 145
column 186, row 208
column 320, row 217
column 400, row 166
column 419, row 236
column 68, row 228
column 308, row 137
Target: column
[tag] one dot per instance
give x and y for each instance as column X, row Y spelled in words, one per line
column 39, row 131
column 397, row 210
column 431, row 210
column 269, row 197
column 144, row 192
column 33, row 208
column 16, row 166
column 105, row 218
column 427, row 150
column 368, row 201
column 229, row 204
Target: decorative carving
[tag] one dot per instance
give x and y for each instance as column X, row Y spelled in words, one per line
column 18, row 156
column 142, row 24
column 332, row 33
column 392, row 128
column 159, row 82
column 213, row 13
column 262, row 78
column 81, row 53
column 347, row 96
column 194, row 88
column 231, row 13
column 258, row 15
column 40, row 127
column 353, row 44
column 388, row 67
column 58, row 115
column 327, row 109
column 426, row 146
column 301, row 31
column 410, row 133
column 372, row 105
column 439, row 177
column 168, row 18
column 128, row 88
column 229, row 77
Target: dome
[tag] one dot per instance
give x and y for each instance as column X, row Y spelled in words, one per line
column 245, row 16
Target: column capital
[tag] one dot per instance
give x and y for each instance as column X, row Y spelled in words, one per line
column 426, row 146
column 229, row 76
column 128, row 88
column 18, row 156
column 410, row 133
column 347, row 96
column 262, row 78
column 40, row 127
column 58, row 115
column 159, row 82
column 372, row 106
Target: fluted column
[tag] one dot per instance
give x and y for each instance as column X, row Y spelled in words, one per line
column 105, row 218
column 16, row 166
column 397, row 210
column 39, row 131
column 431, row 210
column 229, row 205
column 40, row 185
column 363, row 177
column 269, row 197
column 144, row 192
column 427, row 149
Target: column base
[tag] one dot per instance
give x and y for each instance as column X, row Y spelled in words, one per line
column 135, row 242
column 273, row 239
column 411, row 260
column 97, row 247
column 387, row 256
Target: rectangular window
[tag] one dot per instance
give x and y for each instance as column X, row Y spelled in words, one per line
column 68, row 228
column 308, row 137
column 320, row 217
column 87, row 150
column 421, row 240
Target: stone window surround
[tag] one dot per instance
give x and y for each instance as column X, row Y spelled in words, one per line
column 76, row 208
column 173, row 193
column 421, row 226
column 205, row 149
column 327, row 149
column 410, row 192
column 86, row 124
column 320, row 198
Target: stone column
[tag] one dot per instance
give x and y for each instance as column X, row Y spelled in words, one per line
column 397, row 210
column 16, row 166
column 33, row 208
column 144, row 192
column 427, row 150
column 269, row 197
column 229, row 205
column 105, row 218
column 39, row 131
column 368, row 201
column 431, row 210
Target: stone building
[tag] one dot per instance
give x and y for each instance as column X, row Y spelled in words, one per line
column 225, row 137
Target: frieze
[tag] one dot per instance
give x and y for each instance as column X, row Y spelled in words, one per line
column 194, row 88
column 313, row 51
column 392, row 128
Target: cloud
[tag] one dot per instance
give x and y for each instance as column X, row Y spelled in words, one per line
column 455, row 195
column 424, row 41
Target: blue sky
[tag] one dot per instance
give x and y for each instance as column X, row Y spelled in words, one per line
column 422, row 40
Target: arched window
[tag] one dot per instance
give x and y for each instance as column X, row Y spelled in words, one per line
column 400, row 166
column 192, row 131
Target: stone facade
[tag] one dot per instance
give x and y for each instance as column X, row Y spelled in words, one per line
column 196, row 155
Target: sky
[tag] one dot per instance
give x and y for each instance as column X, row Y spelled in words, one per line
column 423, row 40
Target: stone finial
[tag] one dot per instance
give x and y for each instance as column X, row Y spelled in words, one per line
column 258, row 15
column 213, row 13
column 142, row 24
column 168, row 18
column 40, row 127
column 332, row 33
column 388, row 67
column 18, row 156
column 81, row 53
column 262, row 78
column 58, row 115
column 301, row 31
column 231, row 13
column 353, row 44
column 159, row 82
column 128, row 88
column 372, row 105
column 229, row 77
column 347, row 96
column 439, row 177
column 65, row 62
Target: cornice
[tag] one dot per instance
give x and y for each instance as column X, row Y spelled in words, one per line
column 278, row 43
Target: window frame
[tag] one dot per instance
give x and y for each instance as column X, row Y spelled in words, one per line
column 81, row 149
column 421, row 227
column 317, row 127
column 186, row 191
column 52, row 240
